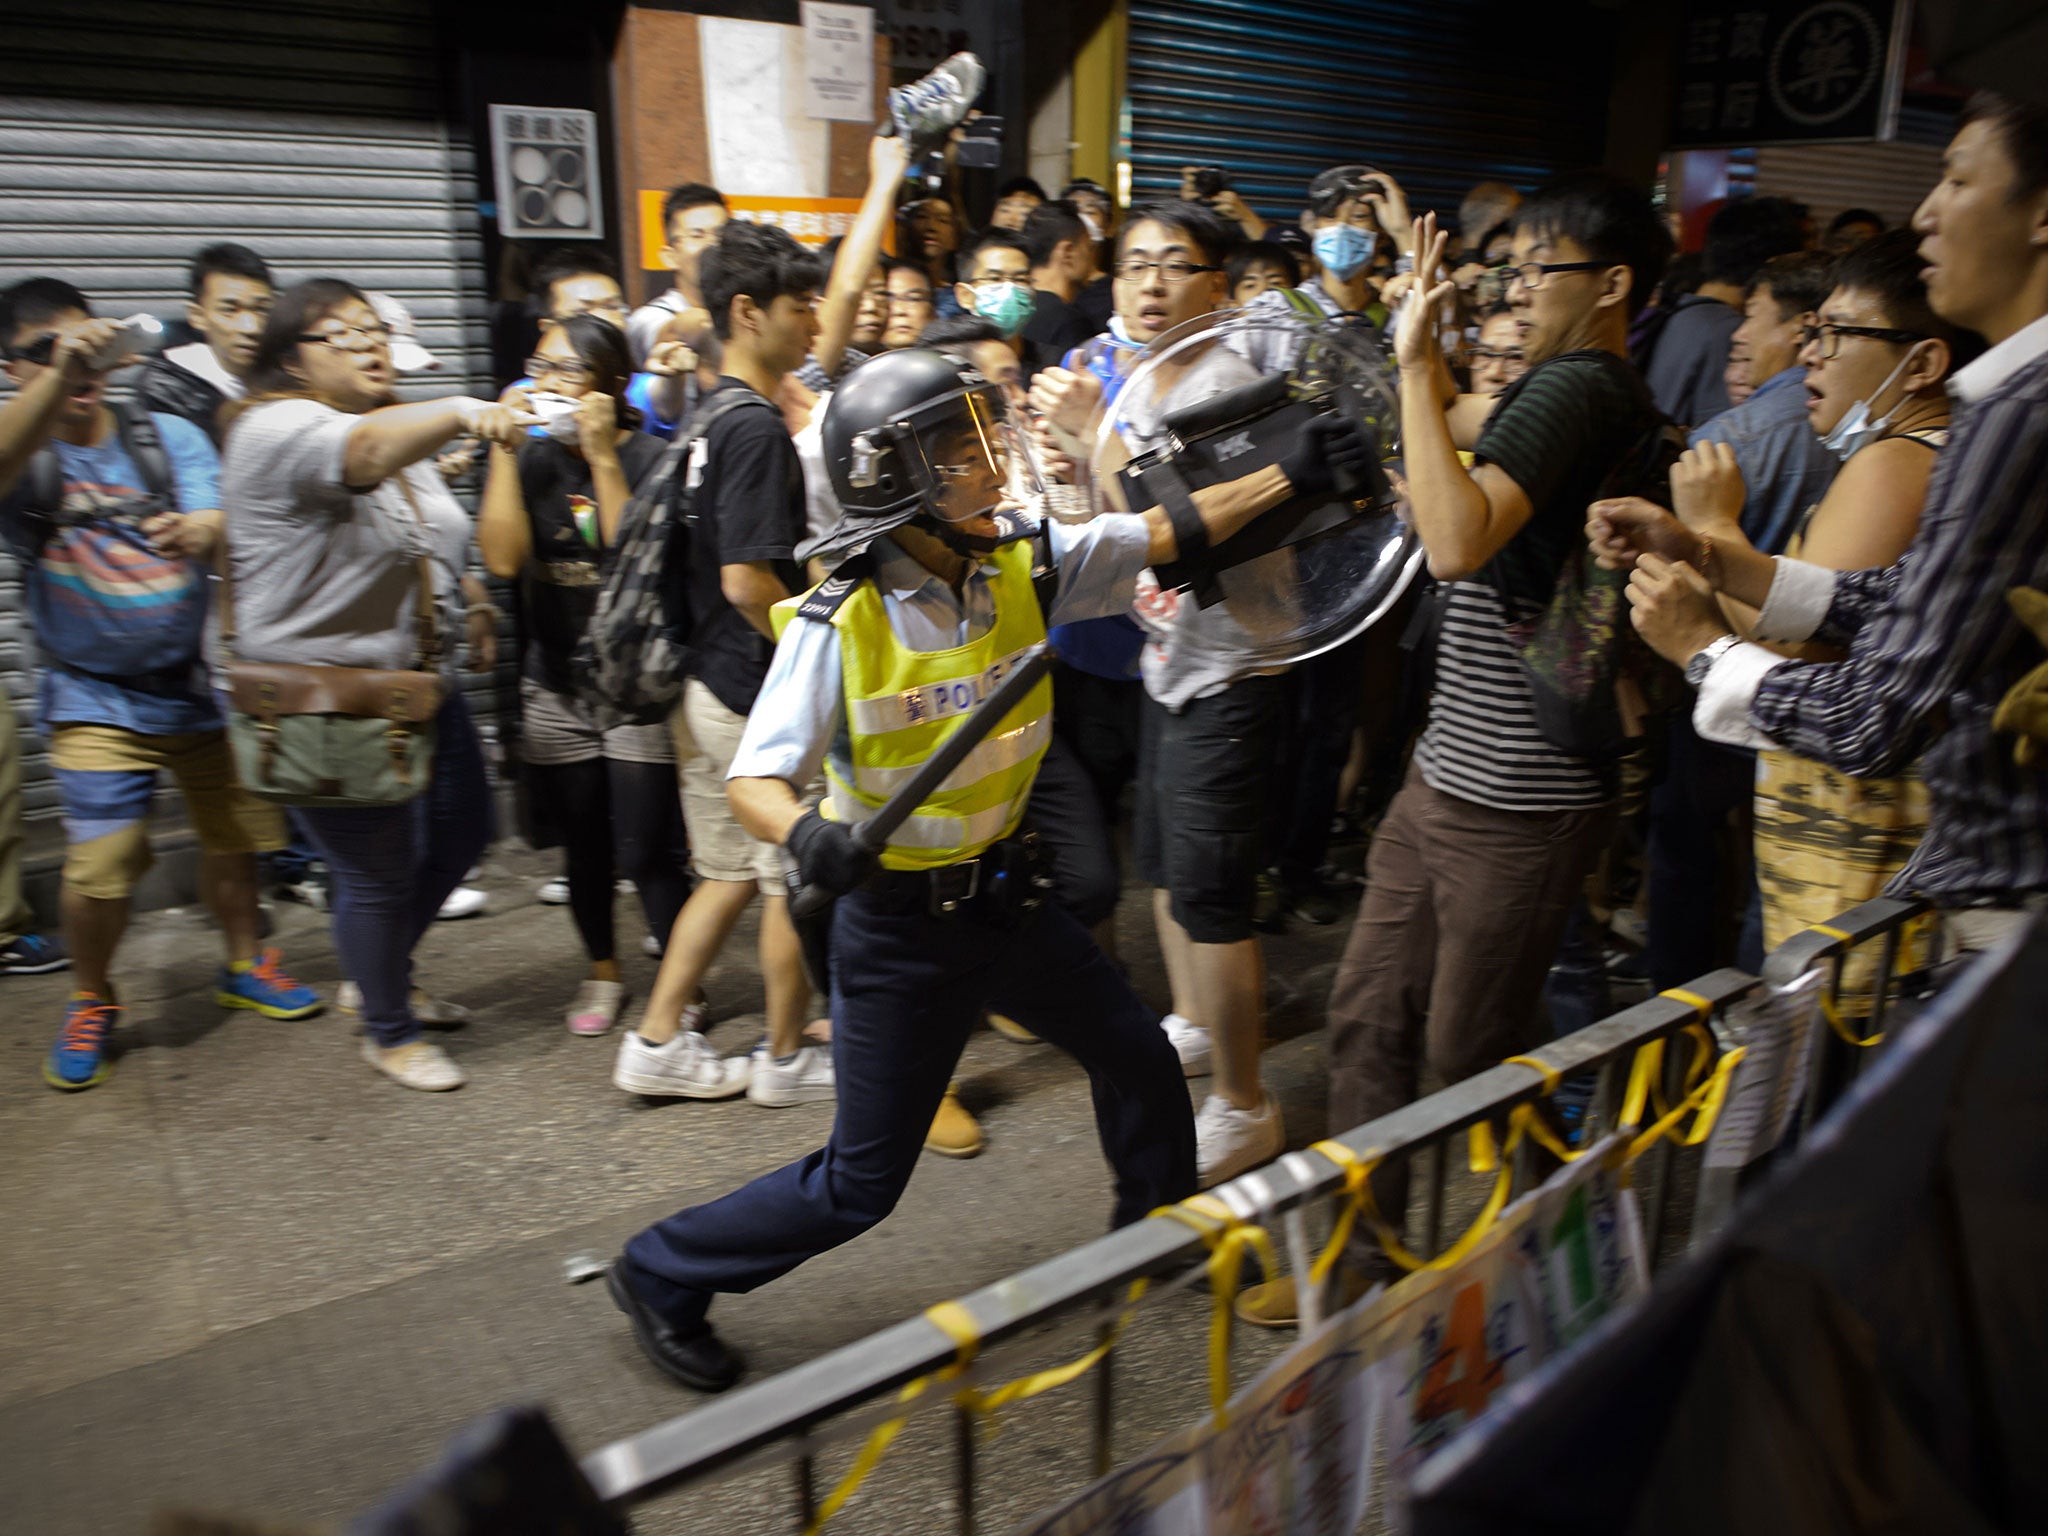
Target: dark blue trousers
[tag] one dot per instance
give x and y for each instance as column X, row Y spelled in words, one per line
column 907, row 987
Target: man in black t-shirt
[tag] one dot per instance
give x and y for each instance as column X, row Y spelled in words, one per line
column 735, row 561
column 1062, row 257
column 1476, row 865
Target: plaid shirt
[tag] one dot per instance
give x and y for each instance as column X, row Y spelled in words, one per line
column 1933, row 645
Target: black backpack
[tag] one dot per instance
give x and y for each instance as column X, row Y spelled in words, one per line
column 42, row 483
column 635, row 652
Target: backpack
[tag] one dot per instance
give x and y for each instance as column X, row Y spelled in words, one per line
column 635, row 652
column 42, row 483
column 1581, row 653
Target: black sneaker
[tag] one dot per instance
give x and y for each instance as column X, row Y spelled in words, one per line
column 33, row 954
column 694, row 1355
column 1313, row 904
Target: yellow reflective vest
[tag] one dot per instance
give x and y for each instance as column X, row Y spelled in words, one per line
column 901, row 704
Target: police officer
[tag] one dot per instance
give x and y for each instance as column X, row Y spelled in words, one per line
column 931, row 600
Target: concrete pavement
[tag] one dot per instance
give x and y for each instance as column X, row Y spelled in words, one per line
column 248, row 1274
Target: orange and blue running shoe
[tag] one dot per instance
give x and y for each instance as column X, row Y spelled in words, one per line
column 80, row 1058
column 262, row 985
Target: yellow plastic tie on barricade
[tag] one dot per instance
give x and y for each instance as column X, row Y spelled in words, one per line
column 1226, row 1235
column 1358, row 1184
column 1646, row 1073
column 1832, row 1012
column 951, row 1319
column 1054, row 1376
column 1832, row 932
column 1533, row 1125
column 1707, row 1099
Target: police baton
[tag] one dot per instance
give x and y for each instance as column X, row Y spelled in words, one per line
column 873, row 835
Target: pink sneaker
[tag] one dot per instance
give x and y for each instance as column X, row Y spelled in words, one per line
column 596, row 1008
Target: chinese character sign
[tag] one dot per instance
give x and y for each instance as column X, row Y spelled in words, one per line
column 547, row 180
column 1788, row 71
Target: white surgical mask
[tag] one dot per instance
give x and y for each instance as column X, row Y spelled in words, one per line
column 1857, row 430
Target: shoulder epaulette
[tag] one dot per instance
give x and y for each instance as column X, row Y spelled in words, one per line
column 824, row 601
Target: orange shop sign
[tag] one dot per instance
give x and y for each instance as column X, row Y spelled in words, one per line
column 812, row 220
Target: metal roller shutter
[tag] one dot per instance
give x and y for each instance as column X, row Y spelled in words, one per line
column 1888, row 179
column 1442, row 96
column 309, row 133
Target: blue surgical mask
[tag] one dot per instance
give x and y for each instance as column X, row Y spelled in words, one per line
column 1344, row 249
column 1005, row 305
column 1856, row 430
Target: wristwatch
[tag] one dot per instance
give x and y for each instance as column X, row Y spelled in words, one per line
column 1703, row 659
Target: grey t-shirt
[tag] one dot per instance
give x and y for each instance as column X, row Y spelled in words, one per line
column 325, row 575
column 1191, row 651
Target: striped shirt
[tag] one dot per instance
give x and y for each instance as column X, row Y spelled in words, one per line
column 1933, row 645
column 1559, row 432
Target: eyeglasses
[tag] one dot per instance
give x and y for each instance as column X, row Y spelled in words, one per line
column 1830, row 337
column 915, row 296
column 1496, row 354
column 569, row 371
column 1532, row 273
column 1135, row 269
column 350, row 338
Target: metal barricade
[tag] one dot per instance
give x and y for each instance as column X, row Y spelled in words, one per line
column 790, row 1417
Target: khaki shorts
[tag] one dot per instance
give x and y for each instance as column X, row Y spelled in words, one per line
column 707, row 737
column 106, row 777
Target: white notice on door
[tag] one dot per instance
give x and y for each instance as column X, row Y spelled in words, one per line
column 839, row 62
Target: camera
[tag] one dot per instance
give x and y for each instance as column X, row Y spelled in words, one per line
column 1209, row 181
column 981, row 144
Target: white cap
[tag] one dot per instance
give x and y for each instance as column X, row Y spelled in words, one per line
column 407, row 355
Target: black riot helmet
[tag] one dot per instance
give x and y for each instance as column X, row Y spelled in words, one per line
column 912, row 434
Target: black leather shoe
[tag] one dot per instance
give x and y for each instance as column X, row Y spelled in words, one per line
column 695, row 1356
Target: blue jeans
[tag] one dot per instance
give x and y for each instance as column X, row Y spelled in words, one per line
column 907, row 987
column 394, row 865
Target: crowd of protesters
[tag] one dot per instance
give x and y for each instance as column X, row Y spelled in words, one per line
column 1818, row 587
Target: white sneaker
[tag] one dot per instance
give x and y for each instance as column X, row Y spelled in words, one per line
column 417, row 1064
column 685, row 1068
column 555, row 892
column 463, row 901
column 596, row 1008
column 806, row 1078
column 1190, row 1043
column 434, row 1012
column 1230, row 1141
column 651, row 947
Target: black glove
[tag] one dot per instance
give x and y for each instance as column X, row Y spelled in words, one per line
column 826, row 854
column 1333, row 453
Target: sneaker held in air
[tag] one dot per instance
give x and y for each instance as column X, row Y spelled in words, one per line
column 805, row 1078
column 33, row 954
column 596, row 1008
column 555, row 892
column 261, row 986
column 463, row 901
column 1190, row 1043
column 79, row 1057
column 684, row 1068
column 1230, row 1141
column 428, row 1010
column 417, row 1064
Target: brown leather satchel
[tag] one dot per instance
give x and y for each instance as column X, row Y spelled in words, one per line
column 334, row 736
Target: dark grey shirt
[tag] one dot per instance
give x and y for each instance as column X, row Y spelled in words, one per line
column 1690, row 356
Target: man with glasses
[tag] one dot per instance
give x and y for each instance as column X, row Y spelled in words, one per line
column 1483, row 851
column 230, row 290
column 581, row 280
column 997, row 286
column 691, row 217
column 1932, row 644
column 909, row 297
column 95, row 503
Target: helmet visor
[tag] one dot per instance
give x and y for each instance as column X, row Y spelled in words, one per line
column 975, row 458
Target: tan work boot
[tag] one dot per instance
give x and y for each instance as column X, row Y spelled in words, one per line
column 1010, row 1029
column 1273, row 1304
column 954, row 1132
